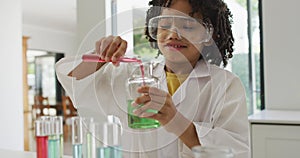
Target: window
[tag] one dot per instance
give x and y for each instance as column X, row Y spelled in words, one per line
column 246, row 62
column 247, row 58
column 41, row 76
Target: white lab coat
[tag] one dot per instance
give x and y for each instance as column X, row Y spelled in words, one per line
column 213, row 98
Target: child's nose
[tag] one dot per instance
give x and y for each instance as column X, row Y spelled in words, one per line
column 174, row 33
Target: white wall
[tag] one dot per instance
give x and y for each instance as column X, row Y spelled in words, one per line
column 90, row 23
column 50, row 40
column 281, row 53
column 94, row 22
column 11, row 94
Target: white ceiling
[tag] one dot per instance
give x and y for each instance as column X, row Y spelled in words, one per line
column 52, row 14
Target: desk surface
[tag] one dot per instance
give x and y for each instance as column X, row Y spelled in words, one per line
column 20, row 154
column 276, row 117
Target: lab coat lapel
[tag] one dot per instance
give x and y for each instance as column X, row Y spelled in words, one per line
column 201, row 70
column 180, row 93
column 159, row 72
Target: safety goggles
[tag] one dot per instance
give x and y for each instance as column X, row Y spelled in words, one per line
column 195, row 31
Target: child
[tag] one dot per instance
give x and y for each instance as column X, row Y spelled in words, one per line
column 198, row 102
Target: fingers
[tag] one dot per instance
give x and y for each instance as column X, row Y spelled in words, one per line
column 116, row 49
column 152, row 91
column 151, row 94
column 149, row 97
column 141, row 100
column 111, row 48
column 117, row 63
column 120, row 51
column 97, row 46
column 102, row 45
column 153, row 100
column 148, row 108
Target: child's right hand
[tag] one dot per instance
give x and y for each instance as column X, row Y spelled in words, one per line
column 111, row 48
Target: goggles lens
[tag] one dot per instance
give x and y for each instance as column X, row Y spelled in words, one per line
column 196, row 31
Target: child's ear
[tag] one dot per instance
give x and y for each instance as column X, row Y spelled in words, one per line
column 209, row 40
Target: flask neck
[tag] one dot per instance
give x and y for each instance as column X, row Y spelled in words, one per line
column 142, row 70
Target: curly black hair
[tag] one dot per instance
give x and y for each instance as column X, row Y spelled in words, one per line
column 215, row 12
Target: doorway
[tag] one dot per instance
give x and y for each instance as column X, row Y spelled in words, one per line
column 42, row 81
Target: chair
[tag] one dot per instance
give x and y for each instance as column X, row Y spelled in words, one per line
column 40, row 107
column 69, row 111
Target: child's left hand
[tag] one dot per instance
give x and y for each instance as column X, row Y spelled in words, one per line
column 155, row 99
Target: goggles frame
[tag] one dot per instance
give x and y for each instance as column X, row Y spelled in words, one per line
column 153, row 26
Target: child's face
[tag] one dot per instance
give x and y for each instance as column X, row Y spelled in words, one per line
column 178, row 36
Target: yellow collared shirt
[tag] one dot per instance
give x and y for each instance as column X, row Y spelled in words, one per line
column 174, row 81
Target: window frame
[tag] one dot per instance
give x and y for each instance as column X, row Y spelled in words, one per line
column 261, row 55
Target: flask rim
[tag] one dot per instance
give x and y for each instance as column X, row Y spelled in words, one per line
column 136, row 69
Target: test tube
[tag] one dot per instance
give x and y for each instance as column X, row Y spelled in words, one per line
column 90, row 138
column 114, row 139
column 54, row 138
column 41, row 135
column 101, row 148
column 77, row 137
column 61, row 134
column 108, row 136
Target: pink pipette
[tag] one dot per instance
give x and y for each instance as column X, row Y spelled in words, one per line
column 96, row 58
